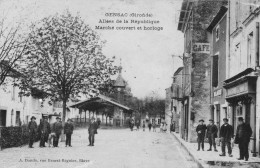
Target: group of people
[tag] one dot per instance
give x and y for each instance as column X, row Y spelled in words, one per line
column 48, row 134
column 226, row 135
column 150, row 126
column 132, row 124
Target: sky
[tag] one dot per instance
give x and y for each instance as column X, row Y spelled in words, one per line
column 146, row 55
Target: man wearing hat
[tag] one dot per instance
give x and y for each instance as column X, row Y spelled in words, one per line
column 45, row 130
column 201, row 129
column 212, row 131
column 243, row 135
column 32, row 126
column 68, row 130
column 226, row 133
column 57, row 128
column 92, row 130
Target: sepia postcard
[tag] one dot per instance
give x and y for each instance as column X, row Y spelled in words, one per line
column 129, row 83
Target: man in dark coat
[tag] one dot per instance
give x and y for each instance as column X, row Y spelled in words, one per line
column 92, row 130
column 201, row 129
column 226, row 133
column 32, row 126
column 57, row 128
column 212, row 131
column 243, row 135
column 68, row 130
column 45, row 130
column 131, row 123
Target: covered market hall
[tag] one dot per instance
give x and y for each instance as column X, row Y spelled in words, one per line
column 105, row 109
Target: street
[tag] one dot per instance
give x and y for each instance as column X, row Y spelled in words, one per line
column 117, row 148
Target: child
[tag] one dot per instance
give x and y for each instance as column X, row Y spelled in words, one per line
column 154, row 126
column 164, row 127
column 143, row 126
column 161, row 127
column 50, row 138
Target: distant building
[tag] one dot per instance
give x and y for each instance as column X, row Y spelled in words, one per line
column 16, row 109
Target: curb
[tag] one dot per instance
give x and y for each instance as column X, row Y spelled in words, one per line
column 200, row 165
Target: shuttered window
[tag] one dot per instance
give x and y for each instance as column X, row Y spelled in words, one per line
column 215, row 71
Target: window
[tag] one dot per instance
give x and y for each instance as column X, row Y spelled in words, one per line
column 17, row 119
column 13, row 93
column 238, row 55
column 237, row 13
column 3, row 118
column 215, row 70
column 250, row 49
column 217, row 33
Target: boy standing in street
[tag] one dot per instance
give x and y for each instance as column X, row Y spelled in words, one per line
column 92, row 130
column 201, row 129
column 32, row 131
column 68, row 130
column 57, row 128
column 226, row 133
column 212, row 131
column 45, row 130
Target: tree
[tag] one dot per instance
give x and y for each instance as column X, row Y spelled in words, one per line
column 154, row 106
column 12, row 48
column 65, row 59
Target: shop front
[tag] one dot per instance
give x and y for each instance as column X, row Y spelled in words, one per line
column 241, row 97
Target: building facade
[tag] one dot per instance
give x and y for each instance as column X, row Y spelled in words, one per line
column 218, row 48
column 242, row 82
column 16, row 109
column 176, row 103
column 193, row 21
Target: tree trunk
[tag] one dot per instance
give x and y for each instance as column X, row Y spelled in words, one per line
column 106, row 120
column 85, row 116
column 64, row 105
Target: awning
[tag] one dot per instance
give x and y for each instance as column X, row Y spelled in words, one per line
column 98, row 102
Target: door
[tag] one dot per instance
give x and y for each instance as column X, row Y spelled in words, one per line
column 17, row 118
column 2, row 118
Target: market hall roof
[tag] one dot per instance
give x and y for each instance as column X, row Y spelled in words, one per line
column 98, row 102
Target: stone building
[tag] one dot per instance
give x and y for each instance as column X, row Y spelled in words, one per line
column 16, row 109
column 218, row 48
column 193, row 21
column 242, row 82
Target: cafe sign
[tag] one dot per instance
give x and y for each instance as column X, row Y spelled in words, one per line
column 201, row 48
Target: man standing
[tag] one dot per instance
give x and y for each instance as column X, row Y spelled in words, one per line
column 92, row 130
column 137, row 125
column 45, row 130
column 201, row 129
column 149, row 126
column 243, row 135
column 68, row 130
column 32, row 131
column 131, row 123
column 212, row 131
column 57, row 128
column 226, row 133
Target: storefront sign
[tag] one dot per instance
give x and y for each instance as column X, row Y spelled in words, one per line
column 201, row 48
column 238, row 89
column 217, row 93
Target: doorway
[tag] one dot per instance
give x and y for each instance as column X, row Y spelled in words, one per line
column 2, row 118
